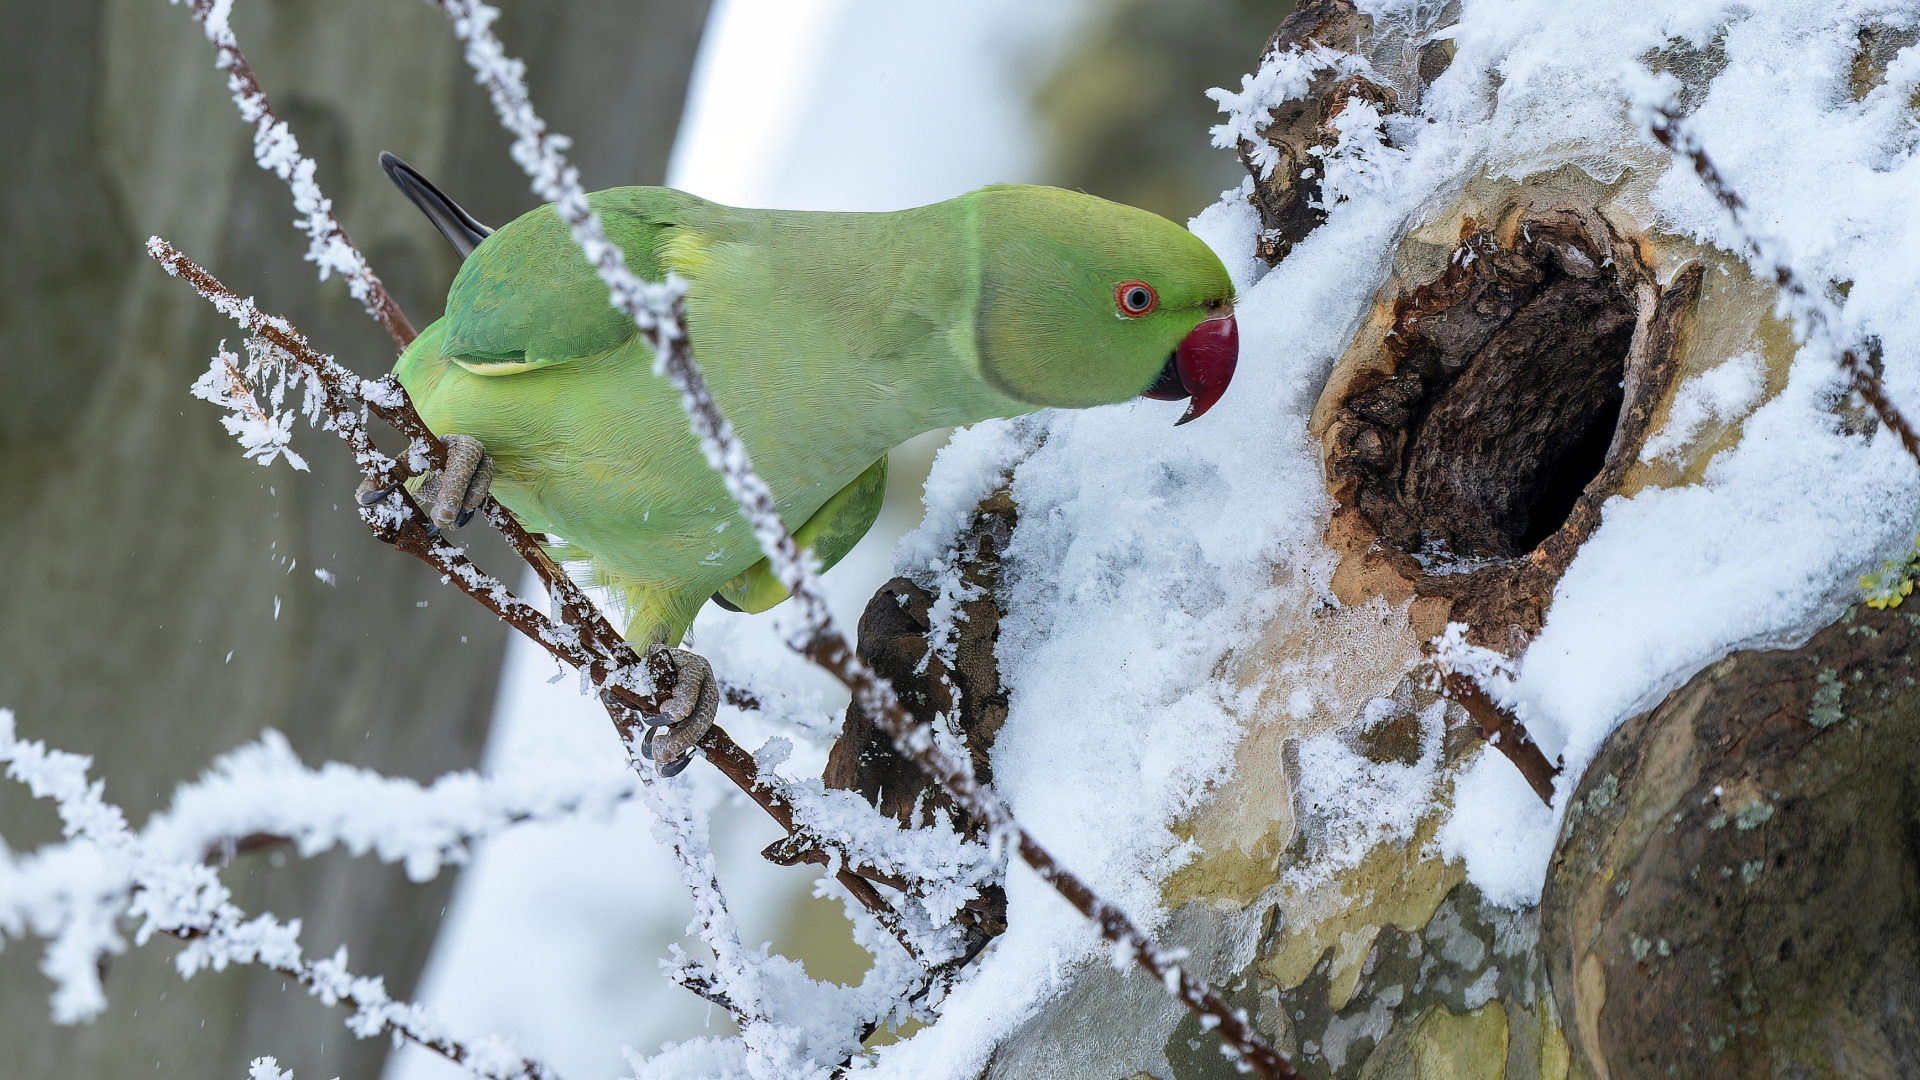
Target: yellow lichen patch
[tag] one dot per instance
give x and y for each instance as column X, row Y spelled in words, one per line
column 1445, row 1046
column 1395, row 884
column 1315, row 668
column 1554, row 1056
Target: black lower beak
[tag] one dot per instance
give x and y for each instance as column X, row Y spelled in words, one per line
column 1168, row 386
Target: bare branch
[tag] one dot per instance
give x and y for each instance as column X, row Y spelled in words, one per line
column 275, row 148
column 1461, row 673
column 1507, row 734
column 1812, row 312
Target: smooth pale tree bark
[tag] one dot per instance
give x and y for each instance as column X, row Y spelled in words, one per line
column 160, row 600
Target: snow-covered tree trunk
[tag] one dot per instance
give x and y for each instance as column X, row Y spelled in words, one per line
column 1555, row 400
column 141, row 552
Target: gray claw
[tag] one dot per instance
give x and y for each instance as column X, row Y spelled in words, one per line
column 455, row 493
column 684, row 717
column 369, row 492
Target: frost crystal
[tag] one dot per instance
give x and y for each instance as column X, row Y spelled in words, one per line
column 1282, row 77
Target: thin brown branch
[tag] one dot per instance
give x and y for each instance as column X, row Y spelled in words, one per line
column 1507, row 734
column 330, row 246
column 1668, row 127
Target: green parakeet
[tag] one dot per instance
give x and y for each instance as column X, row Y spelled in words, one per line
column 828, row 339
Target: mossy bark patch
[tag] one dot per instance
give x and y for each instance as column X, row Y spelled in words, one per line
column 1737, row 891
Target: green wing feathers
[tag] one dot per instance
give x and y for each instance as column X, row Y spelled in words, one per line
column 528, row 299
column 831, row 532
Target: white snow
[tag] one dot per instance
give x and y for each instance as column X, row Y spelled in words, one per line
column 1711, row 400
column 1768, row 546
column 1141, row 559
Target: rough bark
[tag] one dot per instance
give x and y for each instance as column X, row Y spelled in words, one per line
column 1737, row 892
column 142, row 549
column 1288, row 197
column 957, row 690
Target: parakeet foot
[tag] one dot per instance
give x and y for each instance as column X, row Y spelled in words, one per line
column 684, row 717
column 452, row 495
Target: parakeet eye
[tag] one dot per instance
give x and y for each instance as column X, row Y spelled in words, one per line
column 1135, row 298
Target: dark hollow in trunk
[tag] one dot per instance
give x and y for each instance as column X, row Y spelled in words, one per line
column 1500, row 405
column 1504, row 401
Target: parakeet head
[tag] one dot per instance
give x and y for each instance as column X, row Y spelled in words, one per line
column 1087, row 302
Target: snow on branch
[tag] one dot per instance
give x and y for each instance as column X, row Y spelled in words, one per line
column 345, row 398
column 263, row 434
column 278, row 152
column 76, row 893
column 542, row 154
column 659, row 313
column 1283, row 76
column 261, row 793
column 1656, row 107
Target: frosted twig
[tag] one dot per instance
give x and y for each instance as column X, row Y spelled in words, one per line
column 1284, row 75
column 395, row 518
column 1814, row 318
column 1461, row 672
column 260, row 794
column 339, row 400
column 660, row 315
column 278, row 152
column 75, row 894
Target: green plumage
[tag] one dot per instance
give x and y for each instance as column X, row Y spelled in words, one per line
column 828, row 339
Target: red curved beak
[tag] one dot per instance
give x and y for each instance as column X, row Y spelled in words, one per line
column 1205, row 361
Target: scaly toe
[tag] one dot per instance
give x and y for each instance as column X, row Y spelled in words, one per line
column 461, row 488
column 686, row 715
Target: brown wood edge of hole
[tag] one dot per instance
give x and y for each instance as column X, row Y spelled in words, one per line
column 1506, row 601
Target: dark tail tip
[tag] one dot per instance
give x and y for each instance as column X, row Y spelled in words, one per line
column 458, row 226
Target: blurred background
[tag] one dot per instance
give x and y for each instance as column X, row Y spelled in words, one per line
column 158, row 597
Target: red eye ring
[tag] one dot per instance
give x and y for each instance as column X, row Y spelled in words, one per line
column 1135, row 298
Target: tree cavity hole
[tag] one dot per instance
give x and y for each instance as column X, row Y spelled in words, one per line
column 1504, row 397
